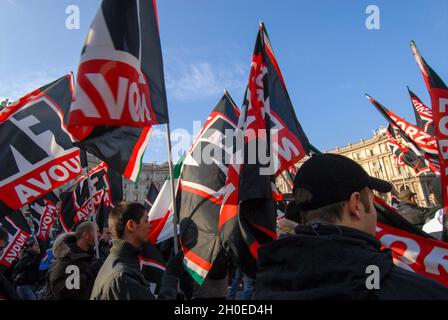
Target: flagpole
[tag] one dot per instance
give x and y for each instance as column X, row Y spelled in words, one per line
column 173, row 196
column 92, row 214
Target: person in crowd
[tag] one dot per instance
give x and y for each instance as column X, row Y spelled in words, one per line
column 73, row 249
column 333, row 252
column 105, row 243
column 120, row 277
column 292, row 218
column 248, row 286
column 26, row 271
column 409, row 209
column 7, row 291
column 434, row 226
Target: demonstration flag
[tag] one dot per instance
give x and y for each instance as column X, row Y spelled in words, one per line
column 76, row 205
column 122, row 148
column 120, row 78
column 36, row 150
column 402, row 155
column 19, row 232
column 439, row 103
column 43, row 212
column 270, row 126
column 423, row 114
column 201, row 189
column 412, row 249
column 419, row 141
column 151, row 196
column 161, row 214
column 152, row 266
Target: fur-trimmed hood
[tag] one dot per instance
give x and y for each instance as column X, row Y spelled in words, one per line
column 65, row 246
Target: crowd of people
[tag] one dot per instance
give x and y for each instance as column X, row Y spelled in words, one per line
column 325, row 243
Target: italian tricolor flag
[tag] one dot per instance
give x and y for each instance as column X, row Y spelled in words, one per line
column 161, row 214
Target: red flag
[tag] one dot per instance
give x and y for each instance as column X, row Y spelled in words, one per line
column 120, row 78
column 439, row 101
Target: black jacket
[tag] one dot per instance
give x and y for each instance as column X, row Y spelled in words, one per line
column 7, row 291
column 27, row 269
column 120, row 277
column 413, row 213
column 330, row 262
column 66, row 253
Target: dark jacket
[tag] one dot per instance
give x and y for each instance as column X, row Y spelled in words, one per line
column 66, row 253
column 104, row 249
column 330, row 262
column 27, row 269
column 7, row 291
column 413, row 213
column 120, row 277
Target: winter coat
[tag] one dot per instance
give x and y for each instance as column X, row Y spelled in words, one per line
column 413, row 213
column 67, row 253
column 27, row 269
column 7, row 291
column 330, row 262
column 120, row 277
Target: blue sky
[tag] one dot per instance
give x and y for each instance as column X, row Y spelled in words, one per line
column 328, row 58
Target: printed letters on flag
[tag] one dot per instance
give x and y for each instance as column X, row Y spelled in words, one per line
column 423, row 114
column 19, row 232
column 43, row 212
column 120, row 78
column 36, row 149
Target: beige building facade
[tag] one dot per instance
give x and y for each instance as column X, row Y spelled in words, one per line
column 376, row 157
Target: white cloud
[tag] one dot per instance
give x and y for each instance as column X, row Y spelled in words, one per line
column 189, row 81
column 19, row 85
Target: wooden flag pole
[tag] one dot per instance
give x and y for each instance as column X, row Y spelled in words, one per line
column 173, row 194
column 92, row 215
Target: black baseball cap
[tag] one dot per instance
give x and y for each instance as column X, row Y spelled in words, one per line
column 332, row 178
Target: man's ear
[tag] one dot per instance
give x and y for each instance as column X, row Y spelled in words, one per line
column 130, row 225
column 354, row 206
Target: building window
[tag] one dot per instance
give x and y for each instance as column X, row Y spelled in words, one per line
column 136, row 186
column 135, row 197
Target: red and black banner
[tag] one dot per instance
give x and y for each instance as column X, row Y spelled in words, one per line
column 412, row 249
column 152, row 265
column 267, row 121
column 76, row 205
column 44, row 211
column 19, row 232
column 439, row 103
column 201, row 190
column 36, row 149
column 120, row 78
column 419, row 141
column 403, row 155
column 423, row 114
column 151, row 196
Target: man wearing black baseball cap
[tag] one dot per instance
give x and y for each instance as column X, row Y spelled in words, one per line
column 333, row 253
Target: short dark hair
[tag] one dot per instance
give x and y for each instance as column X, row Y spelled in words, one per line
column 121, row 214
column 330, row 213
column 4, row 234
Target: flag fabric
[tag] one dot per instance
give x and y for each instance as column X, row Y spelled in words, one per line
column 102, row 215
column 152, row 265
column 267, row 122
column 402, row 155
column 44, row 211
column 151, row 196
column 122, row 148
column 36, row 149
column 423, row 114
column 76, row 206
column 19, row 232
column 439, row 102
column 161, row 214
column 201, row 188
column 120, row 78
column 412, row 249
column 419, row 141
